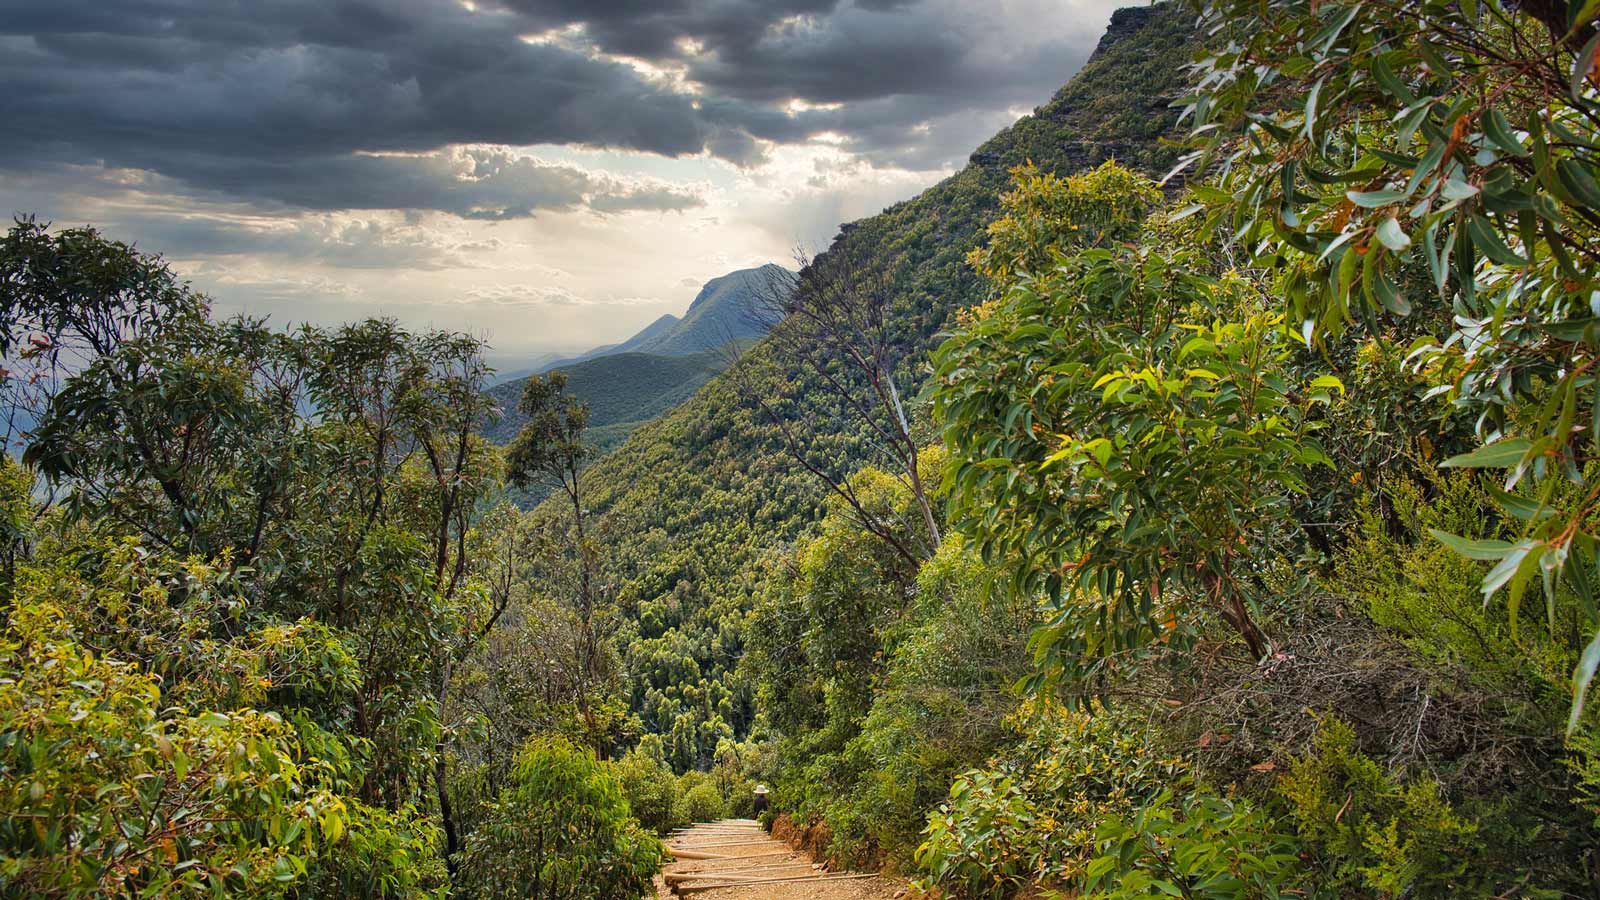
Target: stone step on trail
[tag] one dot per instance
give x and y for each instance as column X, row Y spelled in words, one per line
column 735, row 859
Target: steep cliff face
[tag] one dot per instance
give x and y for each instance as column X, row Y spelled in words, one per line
column 693, row 501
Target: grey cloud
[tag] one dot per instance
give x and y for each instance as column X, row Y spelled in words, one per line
column 189, row 88
column 897, row 66
column 237, row 127
column 661, row 198
column 252, row 98
column 337, row 242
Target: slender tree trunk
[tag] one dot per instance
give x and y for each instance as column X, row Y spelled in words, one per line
column 452, row 843
column 586, row 637
column 441, row 785
column 1233, row 611
column 928, row 518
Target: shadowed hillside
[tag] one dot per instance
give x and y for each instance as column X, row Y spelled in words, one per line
column 622, row 392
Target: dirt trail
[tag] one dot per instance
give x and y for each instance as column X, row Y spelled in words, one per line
column 733, row 859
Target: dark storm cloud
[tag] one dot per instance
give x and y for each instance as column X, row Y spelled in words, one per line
column 275, row 81
column 827, row 51
column 345, row 104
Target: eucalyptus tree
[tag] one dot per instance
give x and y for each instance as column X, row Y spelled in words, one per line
column 1352, row 143
column 1125, row 436
column 550, row 451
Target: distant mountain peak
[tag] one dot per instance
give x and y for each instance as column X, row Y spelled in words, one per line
column 754, row 278
column 726, row 309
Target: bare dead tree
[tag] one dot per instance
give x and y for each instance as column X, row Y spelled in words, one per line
column 835, row 319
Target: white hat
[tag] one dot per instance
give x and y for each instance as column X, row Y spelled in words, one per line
column 761, row 789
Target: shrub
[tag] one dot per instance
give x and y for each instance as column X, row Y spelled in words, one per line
column 559, row 831
column 1203, row 846
column 382, row 855
column 104, row 794
column 1030, row 816
column 700, row 801
column 1430, row 595
column 1362, row 829
column 651, row 789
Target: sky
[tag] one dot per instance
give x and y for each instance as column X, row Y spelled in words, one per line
column 548, row 174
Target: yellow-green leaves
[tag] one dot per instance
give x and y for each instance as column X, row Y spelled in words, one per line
column 1046, row 212
column 1165, row 436
column 105, row 793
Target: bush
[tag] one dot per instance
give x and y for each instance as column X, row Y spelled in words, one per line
column 699, row 801
column 651, row 789
column 559, row 831
column 1362, row 829
column 382, row 855
column 1418, row 587
column 1030, row 816
column 104, row 794
column 1203, row 846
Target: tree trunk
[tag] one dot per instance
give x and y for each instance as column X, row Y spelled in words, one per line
column 452, row 841
column 1233, row 611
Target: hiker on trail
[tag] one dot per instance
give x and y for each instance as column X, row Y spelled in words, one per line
column 761, row 799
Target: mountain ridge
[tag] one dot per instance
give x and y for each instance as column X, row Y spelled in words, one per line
column 725, row 309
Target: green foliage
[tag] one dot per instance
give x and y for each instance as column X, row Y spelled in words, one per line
column 1030, row 816
column 1365, row 830
column 1133, row 449
column 16, row 517
column 295, row 536
column 380, row 854
column 105, row 794
column 549, row 445
column 560, row 830
column 735, row 777
column 1099, row 208
column 1197, row 846
column 1427, row 592
column 651, row 788
column 700, row 801
column 1583, row 765
column 1455, row 136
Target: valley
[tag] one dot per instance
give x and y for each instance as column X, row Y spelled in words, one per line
column 1192, row 491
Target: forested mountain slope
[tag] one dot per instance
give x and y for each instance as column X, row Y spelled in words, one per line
column 693, row 500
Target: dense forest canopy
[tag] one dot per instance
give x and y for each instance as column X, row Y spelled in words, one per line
column 1192, row 496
